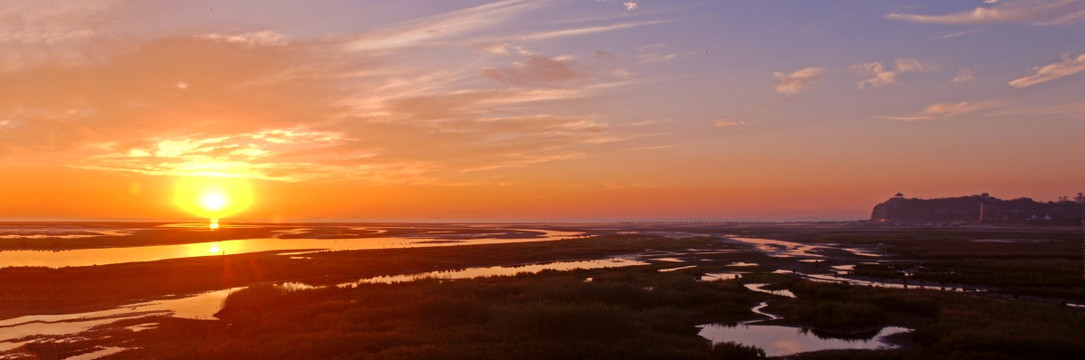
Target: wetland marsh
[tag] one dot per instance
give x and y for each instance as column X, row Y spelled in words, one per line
column 502, row 291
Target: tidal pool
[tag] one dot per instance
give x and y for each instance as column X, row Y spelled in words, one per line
column 783, row 340
column 197, row 306
column 779, row 340
column 716, row 276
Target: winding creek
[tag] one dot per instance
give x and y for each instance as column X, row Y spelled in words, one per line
column 779, row 340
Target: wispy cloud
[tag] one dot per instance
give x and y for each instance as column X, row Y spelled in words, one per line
column 728, row 123
column 650, row 122
column 798, row 81
column 963, row 74
column 944, row 111
column 627, row 5
column 1067, row 67
column 586, row 30
column 1036, row 12
column 537, row 69
column 880, row 75
column 258, row 38
column 443, row 26
column 957, row 34
column 35, row 33
column 520, row 160
column 265, row 155
column 654, row 54
column 271, row 106
column 1068, row 111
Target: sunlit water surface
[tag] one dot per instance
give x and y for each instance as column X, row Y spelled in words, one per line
column 105, row 256
column 199, row 306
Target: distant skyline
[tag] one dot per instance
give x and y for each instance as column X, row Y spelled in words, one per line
column 538, row 110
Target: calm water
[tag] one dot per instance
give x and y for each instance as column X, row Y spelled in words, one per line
column 481, row 272
column 758, row 287
column 783, row 340
column 786, row 249
column 88, row 257
column 888, row 285
column 199, row 306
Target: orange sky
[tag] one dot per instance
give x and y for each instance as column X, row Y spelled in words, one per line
column 537, row 110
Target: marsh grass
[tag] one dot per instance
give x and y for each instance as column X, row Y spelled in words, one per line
column 622, row 314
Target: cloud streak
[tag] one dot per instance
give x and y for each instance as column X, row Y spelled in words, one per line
column 880, row 75
column 655, row 54
column 585, row 30
column 728, row 123
column 964, row 74
column 942, row 111
column 1035, row 12
column 537, row 69
column 1067, row 67
column 35, row 33
column 440, row 27
column 258, row 38
column 263, row 155
column 798, row 81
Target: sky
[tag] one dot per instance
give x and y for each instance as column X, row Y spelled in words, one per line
column 562, row 110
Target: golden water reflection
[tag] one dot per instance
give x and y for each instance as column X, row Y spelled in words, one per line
column 104, row 256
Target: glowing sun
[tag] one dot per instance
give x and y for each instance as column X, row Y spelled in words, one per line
column 213, row 201
column 213, row 197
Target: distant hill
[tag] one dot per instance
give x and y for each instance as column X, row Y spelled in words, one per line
column 977, row 209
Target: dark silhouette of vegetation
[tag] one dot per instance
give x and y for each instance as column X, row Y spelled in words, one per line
column 634, row 313
column 948, row 325
column 976, row 209
column 551, row 315
column 734, row 351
